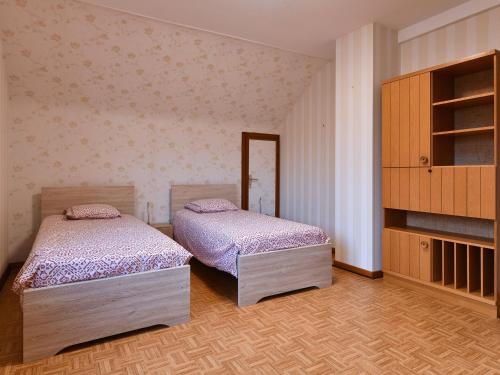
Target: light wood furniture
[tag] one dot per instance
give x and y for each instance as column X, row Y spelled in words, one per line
column 440, row 178
column 166, row 228
column 265, row 274
column 57, row 199
column 63, row 315
column 180, row 195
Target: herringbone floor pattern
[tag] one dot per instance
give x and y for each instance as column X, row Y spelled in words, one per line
column 356, row 326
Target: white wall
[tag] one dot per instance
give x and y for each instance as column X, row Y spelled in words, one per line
column 363, row 58
column 3, row 163
column 307, row 171
column 461, row 39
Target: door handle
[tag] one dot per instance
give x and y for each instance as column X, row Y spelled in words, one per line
column 424, row 159
column 251, row 179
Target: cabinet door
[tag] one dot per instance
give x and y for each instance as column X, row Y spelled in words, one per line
column 394, row 251
column 488, row 202
column 404, row 188
column 404, row 253
column 386, row 249
column 386, row 187
column 425, row 119
column 414, row 256
column 436, row 190
column 447, row 196
column 424, row 190
column 404, row 122
column 425, row 258
column 474, row 191
column 415, row 121
column 394, row 187
column 386, row 125
column 460, row 191
column 395, row 124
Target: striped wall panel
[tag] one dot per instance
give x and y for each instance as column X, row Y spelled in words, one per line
column 307, row 193
column 464, row 38
column 363, row 59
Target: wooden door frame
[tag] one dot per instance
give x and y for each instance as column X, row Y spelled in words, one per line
column 245, row 167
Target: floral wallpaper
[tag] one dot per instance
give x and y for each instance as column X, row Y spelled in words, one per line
column 102, row 97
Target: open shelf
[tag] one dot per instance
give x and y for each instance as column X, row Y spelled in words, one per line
column 468, row 101
column 458, row 132
column 445, row 236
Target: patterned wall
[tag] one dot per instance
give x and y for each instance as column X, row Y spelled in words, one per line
column 3, row 164
column 102, row 97
column 308, row 144
column 363, row 58
column 461, row 39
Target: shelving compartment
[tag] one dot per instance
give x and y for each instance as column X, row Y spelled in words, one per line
column 487, row 273
column 464, row 81
column 474, row 269
column 454, row 253
column 448, row 259
column 437, row 261
column 463, row 114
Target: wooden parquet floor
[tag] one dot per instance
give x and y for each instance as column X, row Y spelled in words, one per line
column 356, row 326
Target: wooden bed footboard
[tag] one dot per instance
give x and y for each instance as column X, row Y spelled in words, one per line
column 60, row 316
column 266, row 274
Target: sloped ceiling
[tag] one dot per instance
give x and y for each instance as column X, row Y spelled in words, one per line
column 305, row 26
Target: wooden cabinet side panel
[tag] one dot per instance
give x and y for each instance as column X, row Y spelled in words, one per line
column 404, row 122
column 386, row 125
column 415, row 121
column 425, row 117
column 395, row 124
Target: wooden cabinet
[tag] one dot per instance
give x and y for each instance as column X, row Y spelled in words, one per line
column 407, row 254
column 406, row 122
column 439, row 155
column 459, row 191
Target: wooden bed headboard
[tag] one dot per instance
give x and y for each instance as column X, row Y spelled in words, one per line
column 182, row 194
column 55, row 200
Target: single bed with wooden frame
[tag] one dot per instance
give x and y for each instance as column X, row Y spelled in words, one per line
column 268, row 273
column 55, row 317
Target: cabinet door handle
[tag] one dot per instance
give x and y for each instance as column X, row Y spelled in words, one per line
column 424, row 244
column 424, row 159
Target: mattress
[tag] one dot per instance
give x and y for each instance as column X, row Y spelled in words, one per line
column 216, row 239
column 67, row 251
